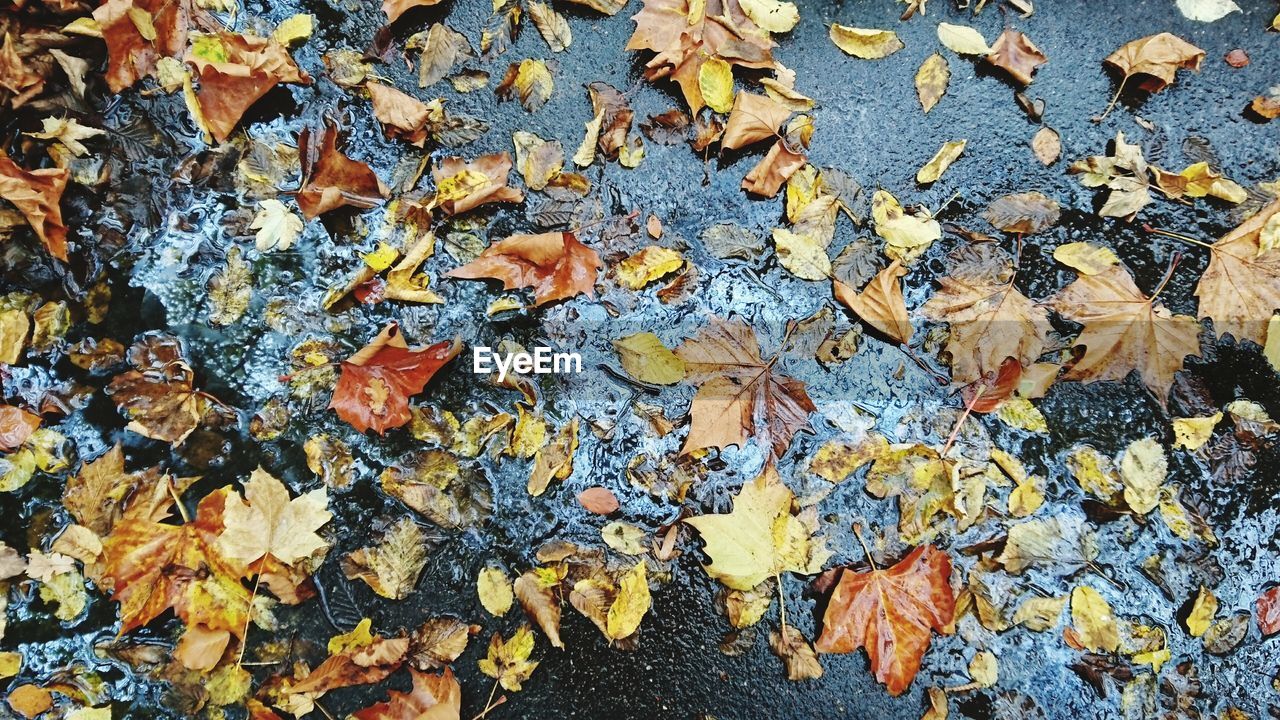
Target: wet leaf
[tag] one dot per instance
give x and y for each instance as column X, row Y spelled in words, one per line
column 437, row 697
column 508, row 661
column 235, row 71
column 391, row 567
column 880, row 304
column 931, row 81
column 647, row 359
column 1014, row 53
column 267, row 522
column 530, row 80
column 962, row 39
column 376, row 383
column 1093, row 620
column 864, row 43
column 1154, row 60
column 940, row 161
column 331, row 179
column 38, row 194
column 1238, row 290
column 555, row 265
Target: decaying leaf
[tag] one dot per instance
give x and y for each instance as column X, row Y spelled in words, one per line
column 1014, row 53
column 931, row 81
column 391, row 567
column 331, row 179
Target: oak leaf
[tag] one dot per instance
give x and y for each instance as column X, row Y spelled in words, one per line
column 1125, row 330
column 1240, row 290
column 433, row 697
column 556, row 265
column 759, row 538
column 330, row 179
column 1014, row 53
column 990, row 318
column 739, row 393
column 38, row 196
column 880, row 304
column 376, row 383
column 462, row 185
column 235, row 71
column 891, row 613
column 1154, row 60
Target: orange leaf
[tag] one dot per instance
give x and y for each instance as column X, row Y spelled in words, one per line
column 890, row 613
column 331, row 179
column 16, row 425
column 1156, row 58
column 433, row 697
column 1014, row 53
column 555, row 265
column 1269, row 611
column 359, row 665
column 252, row 67
column 375, row 385
column 880, row 304
column 130, row 56
column 402, row 115
column 38, row 195
column 395, row 8
column 775, row 168
column 462, row 185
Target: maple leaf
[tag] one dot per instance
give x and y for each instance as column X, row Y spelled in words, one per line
column 556, row 265
column 462, row 185
column 102, row 493
column 433, row 697
column 235, row 71
column 753, row 118
column 153, row 567
column 19, row 82
column 880, row 304
column 686, row 34
column 891, row 613
column 1014, row 53
column 1154, row 60
column 760, row 538
column 1125, row 330
column 277, row 227
column 158, row 395
column 739, row 393
column 395, row 8
column 1124, row 172
column 266, row 522
column 138, row 33
column 508, row 661
column 67, row 131
column 375, row 384
column 990, row 319
column 38, row 196
column 330, row 179
column 1240, row 290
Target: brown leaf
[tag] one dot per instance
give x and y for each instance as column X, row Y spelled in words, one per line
column 880, row 304
column 376, row 383
column 1240, row 290
column 767, row 177
column 38, row 195
column 555, row 265
column 598, row 500
column 739, row 393
column 1269, row 611
column 1125, row 330
column 1014, row 53
column 358, row 665
column 330, row 179
column 890, row 613
column 462, row 185
column 1024, row 213
column 1154, row 60
column 130, row 55
column 19, row 82
column 158, row 395
column 1237, row 58
column 684, row 38
column 990, row 319
column 540, row 604
column 401, row 114
column 438, row 642
column 1047, row 145
column 230, row 86
column 102, row 493
column 433, row 697
column 753, row 118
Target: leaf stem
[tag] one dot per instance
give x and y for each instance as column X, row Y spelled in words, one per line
column 1168, row 275
column 857, row 532
column 248, row 617
column 1177, row 236
column 490, row 704
column 968, row 410
column 182, row 510
column 782, row 605
column 1114, row 99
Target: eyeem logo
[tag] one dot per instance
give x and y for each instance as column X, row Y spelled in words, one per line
column 542, row 361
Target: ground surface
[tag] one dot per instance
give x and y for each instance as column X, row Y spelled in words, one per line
column 164, row 220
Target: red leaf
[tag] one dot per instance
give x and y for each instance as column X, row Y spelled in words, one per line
column 1269, row 611
column 890, row 613
column 598, row 500
column 16, row 425
column 990, row 392
column 331, row 179
column 555, row 265
column 375, row 385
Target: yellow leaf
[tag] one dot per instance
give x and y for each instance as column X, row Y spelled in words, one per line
column 1272, row 349
column 646, row 359
column 648, row 265
column 381, row 257
column 360, row 636
column 1093, row 620
column 771, row 15
column 802, row 254
column 10, row 664
column 1192, row 433
column 931, row 81
column 508, row 662
column 267, row 522
column 1022, row 414
column 984, row 669
column 906, row 236
column 624, row 537
column 1142, row 470
column 529, row 435
column 941, row 160
column 836, row 461
column 864, row 43
column 1040, row 613
column 715, row 82
column 632, row 603
column 494, row 589
column 1202, row 612
column 1085, row 257
column 295, row 28
column 1095, row 473
column 962, row 39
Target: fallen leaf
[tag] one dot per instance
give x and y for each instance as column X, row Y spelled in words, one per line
column 1193, row 432
column 131, row 54
column 538, row 161
column 1142, row 470
column 508, row 662
column 931, row 81
column 940, row 161
column 494, row 590
column 598, row 500
column 647, row 359
column 906, row 235
column 1239, row 290
column 739, row 393
column 1086, row 258
column 331, row 179
column 1207, row 10
column 1125, row 330
column 555, row 265
column 753, row 118
column 552, row 26
column 376, row 383
column 530, row 80
column 1154, row 60
column 462, row 185
column 865, row 43
column 1047, row 145
column 67, row 131
column 1014, row 53
column 1124, row 173
column 391, row 567
column 38, row 195
column 395, row 8
column 777, row 166
column 962, row 39
column 1202, row 612
column 235, row 71
column 1093, row 620
column 1268, row 607
column 277, row 226
column 891, row 613
column 797, row 654
column 432, row 697
column 648, row 265
column 772, row 16
column 267, row 522
column 715, row 82
column 158, row 395
column 555, row 460
column 16, row 425
column 880, row 304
